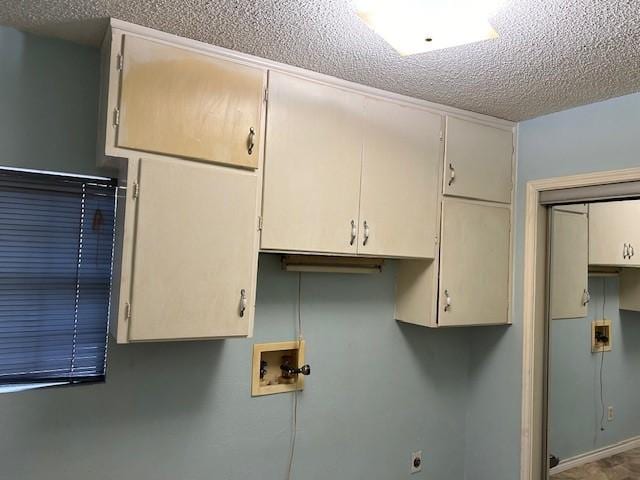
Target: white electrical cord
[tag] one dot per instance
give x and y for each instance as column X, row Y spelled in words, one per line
column 295, row 392
column 604, row 302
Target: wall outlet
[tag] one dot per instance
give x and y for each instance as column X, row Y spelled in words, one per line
column 610, row 415
column 416, row 461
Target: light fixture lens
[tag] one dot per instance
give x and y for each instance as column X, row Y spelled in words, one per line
column 416, row 26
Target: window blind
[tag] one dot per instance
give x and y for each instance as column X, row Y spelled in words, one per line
column 56, row 244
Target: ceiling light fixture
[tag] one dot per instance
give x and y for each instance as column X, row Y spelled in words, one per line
column 416, row 26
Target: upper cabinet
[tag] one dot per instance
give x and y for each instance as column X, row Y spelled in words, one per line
column 400, row 181
column 182, row 103
column 189, row 252
column 345, row 174
column 469, row 281
column 614, row 236
column 312, row 167
column 478, row 161
column 242, row 155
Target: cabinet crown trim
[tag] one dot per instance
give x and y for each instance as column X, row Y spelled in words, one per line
column 224, row 53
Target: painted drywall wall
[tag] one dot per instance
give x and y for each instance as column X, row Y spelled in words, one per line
column 575, row 409
column 47, row 103
column 378, row 390
column 597, row 137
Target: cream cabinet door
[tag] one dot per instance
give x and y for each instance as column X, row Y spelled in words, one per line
column 195, row 251
column 569, row 264
column 312, row 167
column 478, row 161
column 181, row 103
column 474, row 263
column 400, row 181
column 614, row 233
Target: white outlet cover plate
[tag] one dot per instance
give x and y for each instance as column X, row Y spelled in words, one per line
column 415, row 455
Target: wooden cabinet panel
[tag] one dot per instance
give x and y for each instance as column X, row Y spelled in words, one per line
column 569, row 264
column 178, row 102
column 400, row 181
column 195, row 250
column 614, row 233
column 478, row 161
column 312, row 167
column 630, row 289
column 474, row 263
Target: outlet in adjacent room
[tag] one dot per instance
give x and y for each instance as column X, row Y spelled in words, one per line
column 610, row 414
column 416, row 461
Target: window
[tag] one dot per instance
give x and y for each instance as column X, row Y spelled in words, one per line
column 56, row 244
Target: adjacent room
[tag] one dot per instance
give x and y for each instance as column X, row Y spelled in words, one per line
column 320, row 240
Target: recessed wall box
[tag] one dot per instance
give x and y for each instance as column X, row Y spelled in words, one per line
column 267, row 376
column 600, row 336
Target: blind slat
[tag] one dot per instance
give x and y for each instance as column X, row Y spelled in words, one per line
column 56, row 239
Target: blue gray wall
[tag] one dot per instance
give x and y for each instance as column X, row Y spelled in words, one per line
column 574, row 377
column 379, row 390
column 596, row 137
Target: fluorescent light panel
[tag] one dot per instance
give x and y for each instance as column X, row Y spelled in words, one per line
column 407, row 24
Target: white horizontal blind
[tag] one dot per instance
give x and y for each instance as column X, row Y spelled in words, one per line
column 56, row 243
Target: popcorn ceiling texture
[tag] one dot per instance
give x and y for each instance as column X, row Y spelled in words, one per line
column 551, row 54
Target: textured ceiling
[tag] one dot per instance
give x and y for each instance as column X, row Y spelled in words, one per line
column 551, row 54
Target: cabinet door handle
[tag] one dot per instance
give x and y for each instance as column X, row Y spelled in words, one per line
column 251, row 140
column 447, row 301
column 452, row 173
column 366, row 233
column 625, row 251
column 586, row 297
column 631, row 251
column 243, row 302
column 354, row 232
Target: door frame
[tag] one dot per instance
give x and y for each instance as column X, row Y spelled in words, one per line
column 534, row 308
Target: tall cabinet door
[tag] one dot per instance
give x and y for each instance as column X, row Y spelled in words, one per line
column 312, row 167
column 400, row 181
column 195, row 253
column 474, row 263
column 569, row 264
column 478, row 161
column 182, row 103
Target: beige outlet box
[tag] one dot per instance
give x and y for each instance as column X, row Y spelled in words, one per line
column 600, row 336
column 266, row 375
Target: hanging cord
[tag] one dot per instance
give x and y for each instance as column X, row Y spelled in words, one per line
column 604, row 302
column 295, row 392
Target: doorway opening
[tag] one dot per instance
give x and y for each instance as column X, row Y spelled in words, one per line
column 566, row 287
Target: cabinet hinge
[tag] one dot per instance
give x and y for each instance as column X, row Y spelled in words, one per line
column 259, row 223
column 136, row 190
column 441, row 135
column 119, row 62
column 127, row 311
column 266, row 95
column 116, row 116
